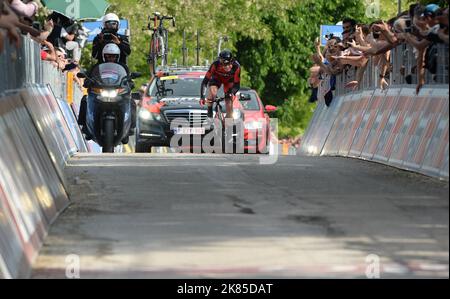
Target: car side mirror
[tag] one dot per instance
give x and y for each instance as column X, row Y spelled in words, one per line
column 81, row 75
column 270, row 108
column 135, row 75
column 244, row 97
column 136, row 96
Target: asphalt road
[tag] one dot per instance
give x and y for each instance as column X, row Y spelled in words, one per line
column 227, row 216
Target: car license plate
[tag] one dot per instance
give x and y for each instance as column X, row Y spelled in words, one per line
column 189, row 131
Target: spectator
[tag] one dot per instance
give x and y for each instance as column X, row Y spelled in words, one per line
column 348, row 25
column 9, row 21
column 28, row 9
column 48, row 52
column 59, row 37
column 61, row 58
column 423, row 27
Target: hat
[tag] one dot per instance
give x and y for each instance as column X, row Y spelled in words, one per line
column 430, row 10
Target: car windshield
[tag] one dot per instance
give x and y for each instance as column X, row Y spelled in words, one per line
column 175, row 86
column 253, row 104
column 109, row 74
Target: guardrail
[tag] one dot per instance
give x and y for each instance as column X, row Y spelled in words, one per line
column 23, row 66
column 394, row 127
column 38, row 134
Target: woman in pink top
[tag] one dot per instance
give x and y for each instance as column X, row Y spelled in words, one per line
column 27, row 10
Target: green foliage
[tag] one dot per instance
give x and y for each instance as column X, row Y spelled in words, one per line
column 273, row 41
column 278, row 67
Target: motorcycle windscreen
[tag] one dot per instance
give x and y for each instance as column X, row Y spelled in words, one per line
column 109, row 74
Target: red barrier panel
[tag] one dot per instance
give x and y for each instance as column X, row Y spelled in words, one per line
column 432, row 108
column 411, row 117
column 377, row 135
column 392, row 131
column 367, row 121
column 435, row 160
column 357, row 112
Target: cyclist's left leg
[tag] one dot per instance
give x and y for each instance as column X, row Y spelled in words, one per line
column 228, row 101
column 213, row 87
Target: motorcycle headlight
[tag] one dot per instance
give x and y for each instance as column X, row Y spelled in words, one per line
column 237, row 114
column 253, row 125
column 109, row 93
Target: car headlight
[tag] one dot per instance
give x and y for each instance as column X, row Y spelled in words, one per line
column 253, row 125
column 147, row 115
column 237, row 114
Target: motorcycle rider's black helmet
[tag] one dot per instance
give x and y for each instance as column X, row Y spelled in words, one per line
column 225, row 56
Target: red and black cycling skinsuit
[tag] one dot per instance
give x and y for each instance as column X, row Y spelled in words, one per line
column 217, row 75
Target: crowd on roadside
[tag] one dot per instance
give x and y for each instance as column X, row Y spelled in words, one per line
column 423, row 27
column 61, row 38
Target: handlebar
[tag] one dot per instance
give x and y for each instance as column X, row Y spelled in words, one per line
column 160, row 18
column 218, row 99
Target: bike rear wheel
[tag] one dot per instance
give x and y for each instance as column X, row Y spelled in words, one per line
column 153, row 56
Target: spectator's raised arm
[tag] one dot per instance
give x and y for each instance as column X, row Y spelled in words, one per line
column 8, row 21
column 22, row 9
column 418, row 44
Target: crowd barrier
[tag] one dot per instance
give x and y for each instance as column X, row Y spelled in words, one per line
column 32, row 186
column 395, row 127
column 38, row 134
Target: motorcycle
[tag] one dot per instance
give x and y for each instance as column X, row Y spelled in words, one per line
column 108, row 115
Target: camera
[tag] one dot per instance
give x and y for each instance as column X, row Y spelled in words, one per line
column 408, row 26
column 329, row 36
column 37, row 26
column 107, row 37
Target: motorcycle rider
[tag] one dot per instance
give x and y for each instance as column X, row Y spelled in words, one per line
column 225, row 70
column 111, row 54
column 109, row 35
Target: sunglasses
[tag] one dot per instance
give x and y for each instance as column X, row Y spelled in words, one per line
column 225, row 62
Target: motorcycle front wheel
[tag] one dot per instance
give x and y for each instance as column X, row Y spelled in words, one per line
column 108, row 130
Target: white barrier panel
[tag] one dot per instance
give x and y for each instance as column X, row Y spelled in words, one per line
column 52, row 126
column 71, row 121
column 394, row 127
column 320, row 126
column 332, row 143
column 32, row 193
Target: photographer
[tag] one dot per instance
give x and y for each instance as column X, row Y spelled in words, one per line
column 109, row 34
column 60, row 37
